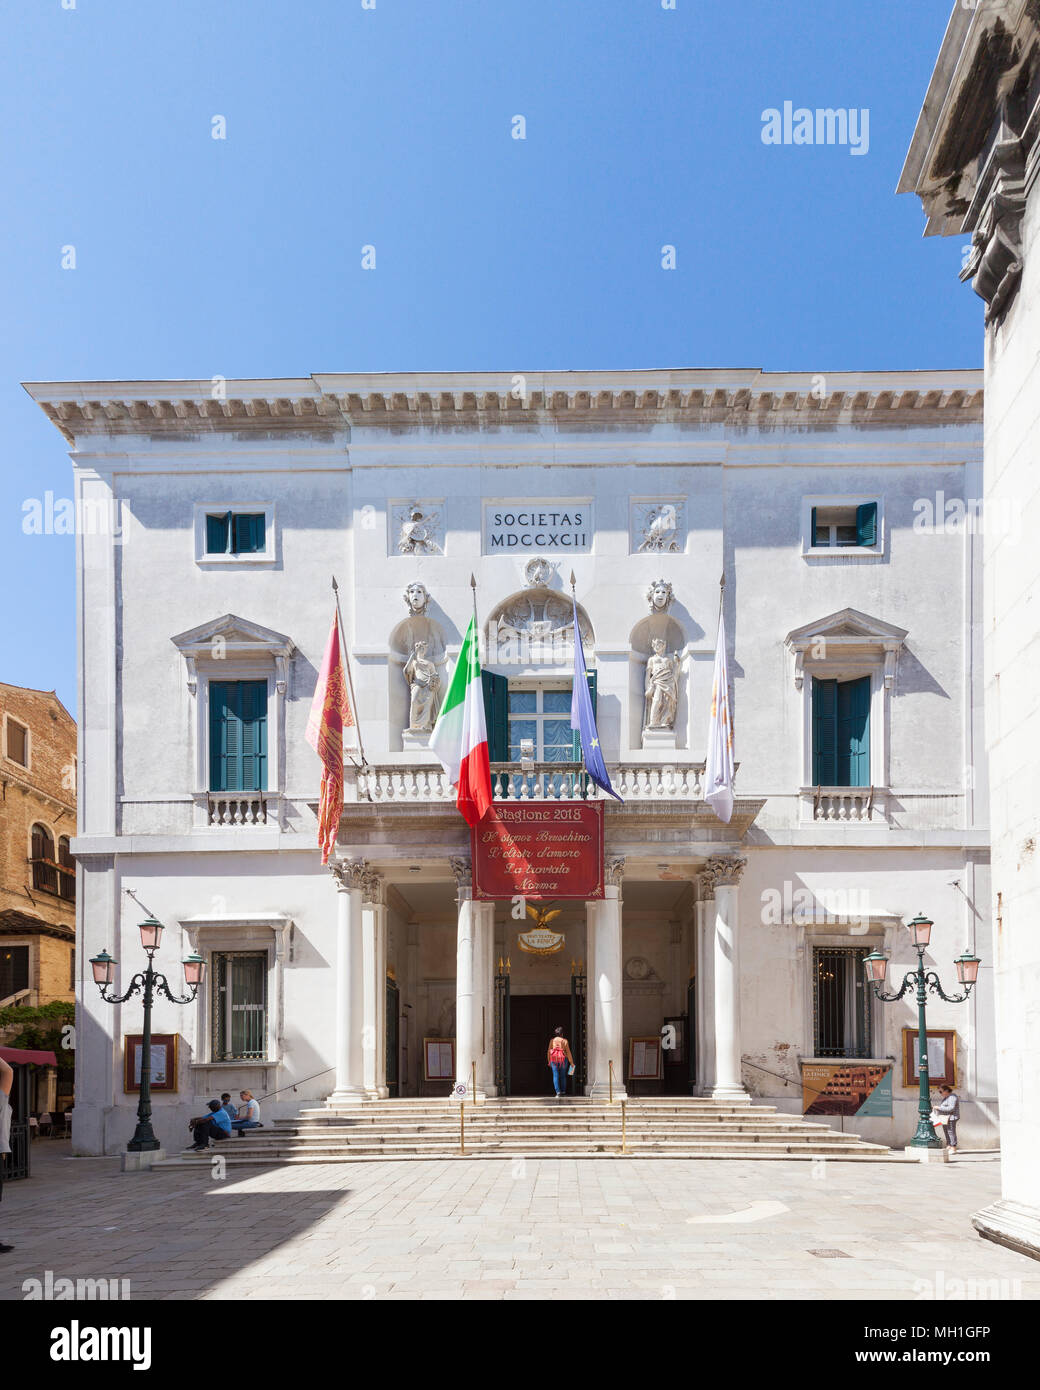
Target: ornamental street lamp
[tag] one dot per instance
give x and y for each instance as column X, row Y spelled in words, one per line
column 103, row 966
column 967, row 967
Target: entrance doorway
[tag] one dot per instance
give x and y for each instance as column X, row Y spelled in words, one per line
column 532, row 1021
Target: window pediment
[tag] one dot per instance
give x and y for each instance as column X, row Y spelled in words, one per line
column 844, row 635
column 231, row 638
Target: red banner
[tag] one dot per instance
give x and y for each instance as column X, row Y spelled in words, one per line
column 541, row 850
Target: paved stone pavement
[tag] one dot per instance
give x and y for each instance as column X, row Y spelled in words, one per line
column 514, row 1229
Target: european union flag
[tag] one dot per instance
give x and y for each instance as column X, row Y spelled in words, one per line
column 583, row 719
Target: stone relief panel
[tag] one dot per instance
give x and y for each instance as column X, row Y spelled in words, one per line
column 417, row 528
column 658, row 527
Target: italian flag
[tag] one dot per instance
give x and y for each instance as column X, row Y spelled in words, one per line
column 459, row 737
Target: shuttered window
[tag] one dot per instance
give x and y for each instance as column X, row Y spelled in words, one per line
column 239, row 1006
column 238, row 736
column 17, row 743
column 235, row 533
column 841, row 732
column 852, row 525
column 44, row 869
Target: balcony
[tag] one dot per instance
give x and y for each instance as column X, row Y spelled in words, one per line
column 842, row 804
column 243, row 808
column 535, row 782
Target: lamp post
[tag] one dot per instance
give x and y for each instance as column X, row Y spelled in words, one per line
column 967, row 967
column 151, row 982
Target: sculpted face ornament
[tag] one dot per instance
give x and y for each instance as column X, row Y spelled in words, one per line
column 659, row 596
column 417, row 598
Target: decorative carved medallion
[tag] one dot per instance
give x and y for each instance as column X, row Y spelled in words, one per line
column 658, row 527
column 538, row 571
column 418, row 528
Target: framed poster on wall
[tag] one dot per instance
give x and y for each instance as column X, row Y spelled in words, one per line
column 942, row 1057
column 163, row 1061
column 644, row 1059
column 439, row 1059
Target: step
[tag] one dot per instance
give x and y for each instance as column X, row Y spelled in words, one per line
column 850, row 1155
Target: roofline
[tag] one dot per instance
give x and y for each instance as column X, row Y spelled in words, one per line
column 35, row 690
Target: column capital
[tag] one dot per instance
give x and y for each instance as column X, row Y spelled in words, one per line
column 463, row 871
column 349, row 873
column 722, row 871
column 373, row 887
column 615, row 871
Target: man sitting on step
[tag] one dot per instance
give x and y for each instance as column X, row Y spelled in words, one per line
column 215, row 1125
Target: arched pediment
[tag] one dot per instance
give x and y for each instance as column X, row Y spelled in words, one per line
column 536, row 626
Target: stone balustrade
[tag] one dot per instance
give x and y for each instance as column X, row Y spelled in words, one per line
column 250, row 808
column 536, row 782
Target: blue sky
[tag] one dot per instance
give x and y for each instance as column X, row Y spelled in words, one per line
column 392, row 127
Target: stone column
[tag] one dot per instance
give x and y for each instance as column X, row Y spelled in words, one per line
column 467, row 977
column 605, row 1023
column 350, row 877
column 705, row 985
column 725, row 873
column 485, row 1012
column 373, row 1033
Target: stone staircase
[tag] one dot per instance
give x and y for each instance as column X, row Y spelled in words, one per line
column 665, row 1127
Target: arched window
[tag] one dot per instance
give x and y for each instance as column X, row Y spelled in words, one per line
column 66, row 870
column 44, row 868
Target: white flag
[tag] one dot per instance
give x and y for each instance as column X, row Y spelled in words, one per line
column 718, row 771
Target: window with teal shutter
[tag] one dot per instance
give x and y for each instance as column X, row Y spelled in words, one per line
column 217, row 529
column 841, row 733
column 238, row 736
column 866, row 524
column 249, row 535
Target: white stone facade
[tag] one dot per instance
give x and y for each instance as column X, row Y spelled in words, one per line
column 975, row 163
column 625, row 478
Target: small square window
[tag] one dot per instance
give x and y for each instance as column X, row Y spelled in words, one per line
column 841, row 524
column 229, row 535
column 17, row 743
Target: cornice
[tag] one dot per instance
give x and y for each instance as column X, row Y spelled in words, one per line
column 343, row 403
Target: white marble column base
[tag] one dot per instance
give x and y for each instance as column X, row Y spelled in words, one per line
column 600, row 1090
column 736, row 1093
column 1012, row 1224
column 354, row 1096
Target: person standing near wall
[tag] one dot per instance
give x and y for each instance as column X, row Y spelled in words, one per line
column 6, row 1081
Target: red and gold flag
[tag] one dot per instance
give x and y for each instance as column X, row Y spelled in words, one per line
column 330, row 715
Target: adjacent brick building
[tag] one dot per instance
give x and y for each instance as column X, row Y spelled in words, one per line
column 37, row 873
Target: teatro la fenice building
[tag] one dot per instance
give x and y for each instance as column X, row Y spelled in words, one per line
column 212, row 517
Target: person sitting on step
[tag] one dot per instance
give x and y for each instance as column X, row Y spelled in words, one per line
column 215, row 1125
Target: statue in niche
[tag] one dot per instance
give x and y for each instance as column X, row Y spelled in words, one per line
column 661, row 700
column 659, row 596
column 424, row 685
column 418, row 535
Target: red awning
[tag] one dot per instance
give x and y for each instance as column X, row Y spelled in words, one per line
column 21, row 1054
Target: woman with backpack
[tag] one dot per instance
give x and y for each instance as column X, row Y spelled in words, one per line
column 559, row 1060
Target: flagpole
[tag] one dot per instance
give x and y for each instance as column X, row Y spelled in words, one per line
column 350, row 678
